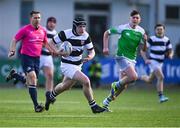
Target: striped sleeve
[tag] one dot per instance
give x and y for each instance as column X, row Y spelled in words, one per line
column 168, row 45
column 149, row 42
column 60, row 37
column 88, row 44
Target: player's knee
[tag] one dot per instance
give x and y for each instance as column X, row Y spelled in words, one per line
column 32, row 78
column 86, row 82
column 160, row 78
column 133, row 77
column 149, row 80
column 49, row 76
column 65, row 87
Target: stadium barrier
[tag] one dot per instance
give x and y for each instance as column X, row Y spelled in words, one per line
column 6, row 65
column 171, row 70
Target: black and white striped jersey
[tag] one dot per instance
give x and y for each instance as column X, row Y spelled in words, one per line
column 78, row 44
column 50, row 35
column 158, row 47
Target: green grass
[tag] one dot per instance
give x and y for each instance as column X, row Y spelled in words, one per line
column 134, row 108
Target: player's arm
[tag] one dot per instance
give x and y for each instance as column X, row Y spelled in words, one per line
column 90, row 56
column 90, row 49
column 169, row 53
column 19, row 35
column 51, row 46
column 106, row 43
column 107, row 33
column 57, row 39
column 143, row 54
column 144, row 40
column 12, row 48
column 143, row 48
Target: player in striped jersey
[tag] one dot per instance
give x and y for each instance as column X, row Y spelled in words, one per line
column 131, row 36
column 159, row 47
column 46, row 60
column 71, row 65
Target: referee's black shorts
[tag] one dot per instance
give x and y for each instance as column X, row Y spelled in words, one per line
column 30, row 63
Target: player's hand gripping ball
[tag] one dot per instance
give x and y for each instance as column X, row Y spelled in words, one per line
column 66, row 48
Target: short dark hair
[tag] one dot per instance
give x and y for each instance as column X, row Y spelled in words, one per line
column 34, row 12
column 53, row 19
column 134, row 12
column 159, row 25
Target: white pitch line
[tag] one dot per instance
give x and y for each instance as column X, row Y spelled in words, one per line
column 58, row 116
column 72, row 127
column 27, row 102
column 141, row 108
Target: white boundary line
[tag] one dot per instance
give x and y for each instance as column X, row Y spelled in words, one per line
column 58, row 116
column 25, row 101
column 86, row 127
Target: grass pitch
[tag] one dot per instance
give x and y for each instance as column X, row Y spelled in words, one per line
column 134, row 108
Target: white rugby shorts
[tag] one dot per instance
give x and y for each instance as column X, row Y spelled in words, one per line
column 154, row 65
column 69, row 70
column 46, row 61
column 123, row 63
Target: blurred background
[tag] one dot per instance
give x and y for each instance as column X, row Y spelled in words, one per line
column 100, row 15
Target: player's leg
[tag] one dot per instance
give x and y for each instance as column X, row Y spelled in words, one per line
column 31, row 82
column 160, row 78
column 46, row 64
column 68, row 70
column 31, row 68
column 10, row 75
column 84, row 80
column 147, row 78
column 32, row 86
column 129, row 75
column 16, row 76
column 123, row 74
column 152, row 66
column 127, row 68
column 107, row 101
column 48, row 73
column 66, row 84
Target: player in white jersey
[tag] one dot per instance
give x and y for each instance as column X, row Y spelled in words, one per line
column 159, row 48
column 71, row 65
column 46, row 60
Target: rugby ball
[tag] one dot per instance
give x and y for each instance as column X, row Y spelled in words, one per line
column 66, row 48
